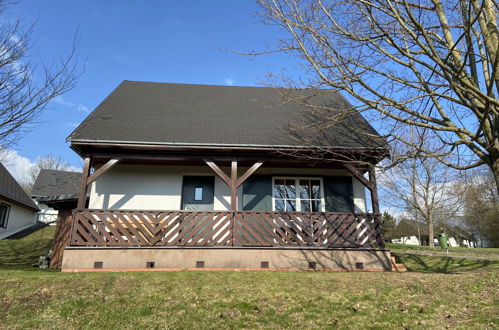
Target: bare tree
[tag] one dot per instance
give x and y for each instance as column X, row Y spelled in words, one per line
column 424, row 187
column 25, row 89
column 427, row 64
column 481, row 207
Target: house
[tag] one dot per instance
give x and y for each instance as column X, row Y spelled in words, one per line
column 55, row 187
column 219, row 177
column 56, row 194
column 17, row 209
column 416, row 233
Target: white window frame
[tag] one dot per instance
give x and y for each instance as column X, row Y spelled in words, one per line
column 297, row 184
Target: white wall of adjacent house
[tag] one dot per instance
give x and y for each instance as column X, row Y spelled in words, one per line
column 409, row 240
column 19, row 218
column 47, row 214
column 158, row 187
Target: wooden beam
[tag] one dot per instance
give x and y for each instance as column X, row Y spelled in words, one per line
column 374, row 190
column 249, row 172
column 218, row 171
column 358, row 175
column 83, row 185
column 103, row 169
column 233, row 185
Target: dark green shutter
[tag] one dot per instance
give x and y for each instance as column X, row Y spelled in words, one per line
column 257, row 193
column 338, row 193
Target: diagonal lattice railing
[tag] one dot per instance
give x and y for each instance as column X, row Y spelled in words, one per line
column 224, row 228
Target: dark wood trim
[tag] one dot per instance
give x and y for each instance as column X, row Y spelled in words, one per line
column 218, row 171
column 83, row 185
column 358, row 175
column 370, row 184
column 233, row 185
column 143, row 146
column 374, row 190
column 249, row 172
column 103, row 169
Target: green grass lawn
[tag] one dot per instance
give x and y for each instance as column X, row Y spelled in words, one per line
column 24, row 253
column 437, row 292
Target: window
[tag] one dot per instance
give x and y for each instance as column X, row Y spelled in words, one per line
column 198, row 194
column 298, row 194
column 4, row 215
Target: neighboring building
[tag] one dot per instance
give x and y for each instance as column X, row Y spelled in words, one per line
column 411, row 232
column 54, row 186
column 197, row 176
column 17, row 209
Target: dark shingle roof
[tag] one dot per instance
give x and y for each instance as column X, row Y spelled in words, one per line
column 12, row 191
column 52, row 183
column 164, row 113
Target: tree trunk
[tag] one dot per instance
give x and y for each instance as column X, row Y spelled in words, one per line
column 431, row 242
column 495, row 173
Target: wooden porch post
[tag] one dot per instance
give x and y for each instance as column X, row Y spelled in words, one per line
column 370, row 184
column 374, row 189
column 233, row 186
column 83, row 185
column 233, row 182
column 87, row 179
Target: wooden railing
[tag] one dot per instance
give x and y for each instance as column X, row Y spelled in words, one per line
column 224, row 228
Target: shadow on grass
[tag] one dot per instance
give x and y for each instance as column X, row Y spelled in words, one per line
column 25, row 252
column 444, row 264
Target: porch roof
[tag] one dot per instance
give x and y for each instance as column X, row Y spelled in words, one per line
column 206, row 115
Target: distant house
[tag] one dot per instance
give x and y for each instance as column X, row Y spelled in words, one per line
column 53, row 190
column 199, row 176
column 17, row 209
column 416, row 233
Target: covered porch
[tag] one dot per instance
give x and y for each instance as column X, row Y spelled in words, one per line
column 218, row 237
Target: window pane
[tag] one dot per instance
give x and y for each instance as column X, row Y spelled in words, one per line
column 316, row 206
column 198, row 194
column 279, row 205
column 290, row 205
column 305, row 206
column 290, row 189
column 316, row 189
column 3, row 215
column 279, row 189
column 305, row 189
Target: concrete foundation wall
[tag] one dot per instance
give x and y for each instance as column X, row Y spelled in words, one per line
column 157, row 187
column 80, row 259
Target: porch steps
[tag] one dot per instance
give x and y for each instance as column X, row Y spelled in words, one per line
column 397, row 267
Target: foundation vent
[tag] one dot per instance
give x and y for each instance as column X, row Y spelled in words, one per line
column 199, row 264
column 264, row 264
column 150, row 264
column 98, row 264
column 312, row 264
column 359, row 265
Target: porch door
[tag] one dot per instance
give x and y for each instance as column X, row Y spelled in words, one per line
column 198, row 193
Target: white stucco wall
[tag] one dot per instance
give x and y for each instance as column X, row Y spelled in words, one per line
column 46, row 214
column 159, row 187
column 409, row 240
column 19, row 219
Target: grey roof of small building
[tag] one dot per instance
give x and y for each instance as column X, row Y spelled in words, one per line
column 54, row 184
column 184, row 114
column 10, row 190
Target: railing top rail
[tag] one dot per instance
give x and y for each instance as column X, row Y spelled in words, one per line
column 223, row 211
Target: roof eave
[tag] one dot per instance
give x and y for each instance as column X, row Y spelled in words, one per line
column 13, row 201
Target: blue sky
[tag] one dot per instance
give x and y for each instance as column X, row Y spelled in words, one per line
column 167, row 41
